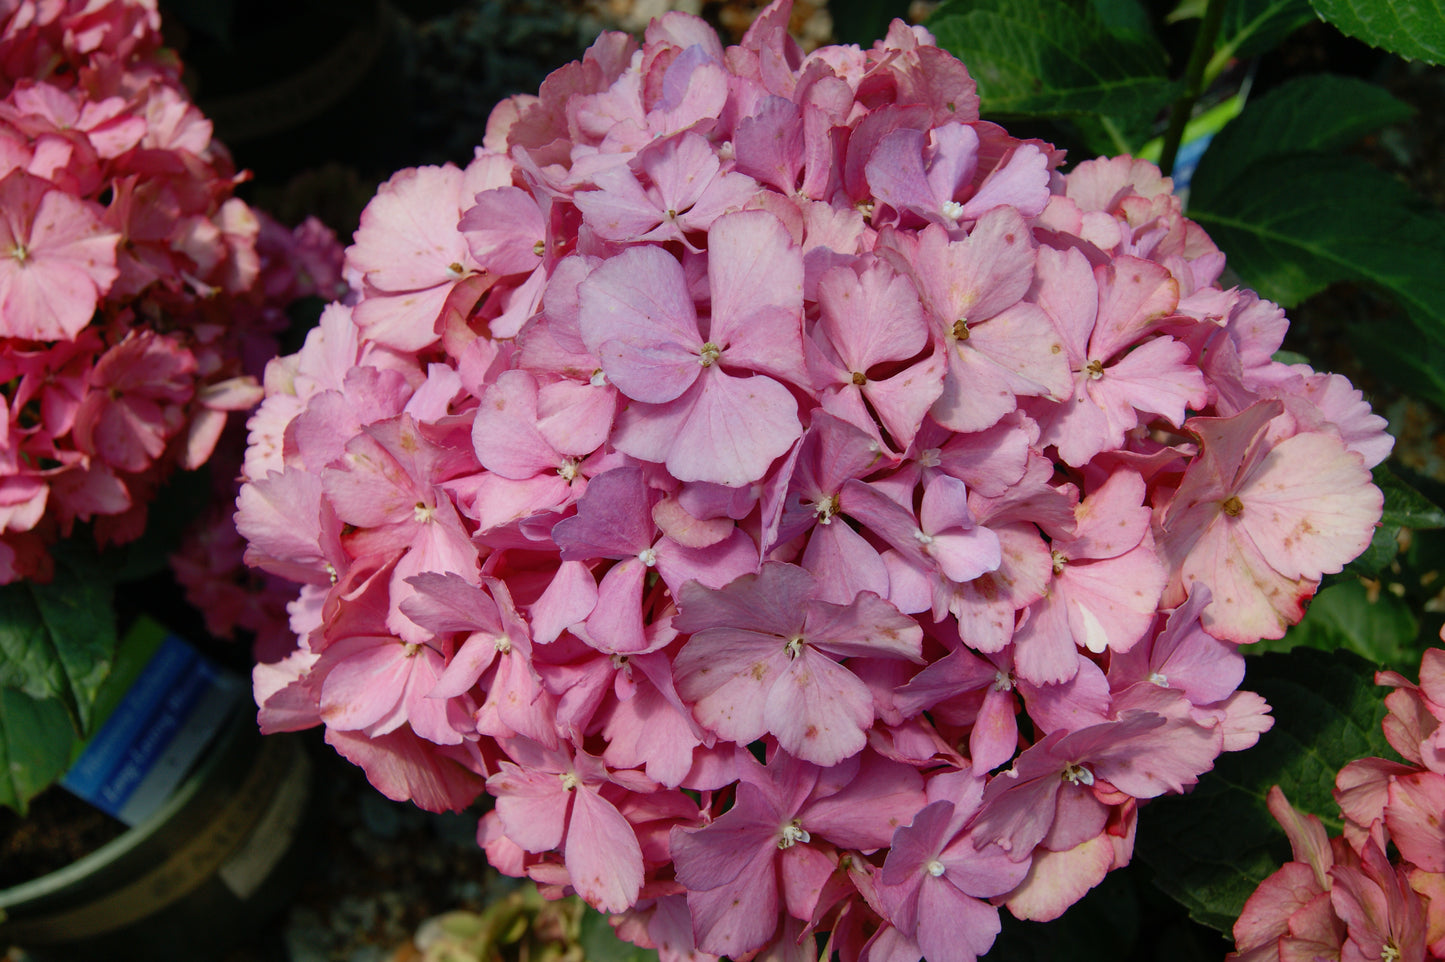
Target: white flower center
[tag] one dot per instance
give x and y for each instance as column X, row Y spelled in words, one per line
column 935, row 867
column 647, row 556
column 20, row 252
column 569, row 781
column 792, row 834
column 504, row 644
column 825, row 508
column 568, row 469
column 1076, row 774
column 930, row 457
column 1003, row 681
column 1159, row 679
column 710, row 353
column 794, row 647
column 921, row 537
column 421, row 514
column 952, row 210
column 599, row 378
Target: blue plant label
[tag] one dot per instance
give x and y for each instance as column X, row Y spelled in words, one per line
column 163, row 722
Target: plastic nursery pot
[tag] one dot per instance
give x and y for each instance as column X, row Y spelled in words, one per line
column 193, row 879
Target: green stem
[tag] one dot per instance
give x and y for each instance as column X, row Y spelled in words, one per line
column 1116, row 136
column 1193, row 83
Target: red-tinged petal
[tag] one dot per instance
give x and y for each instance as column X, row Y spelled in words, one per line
column 1362, row 790
column 1250, row 599
column 404, row 768
column 603, row 857
column 1268, row 911
column 1415, row 816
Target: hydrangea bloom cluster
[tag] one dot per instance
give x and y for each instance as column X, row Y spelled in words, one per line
column 130, row 293
column 1343, row 898
column 801, row 506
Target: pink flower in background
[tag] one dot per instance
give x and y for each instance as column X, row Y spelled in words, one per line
column 755, row 453
column 1374, row 891
column 135, row 310
column 56, row 260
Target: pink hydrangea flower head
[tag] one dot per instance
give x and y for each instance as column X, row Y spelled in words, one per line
column 812, row 507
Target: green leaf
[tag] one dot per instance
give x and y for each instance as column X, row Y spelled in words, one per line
column 1251, row 27
column 601, row 944
column 1380, row 629
column 1416, row 369
column 57, row 639
column 37, row 744
column 1318, row 112
column 1293, row 224
column 1414, row 29
column 1211, row 848
column 1384, row 546
column 1123, row 17
column 1404, row 506
column 1055, row 59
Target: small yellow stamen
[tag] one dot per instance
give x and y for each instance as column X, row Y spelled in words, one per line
column 1233, row 506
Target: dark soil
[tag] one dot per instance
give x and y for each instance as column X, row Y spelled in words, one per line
column 58, row 830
